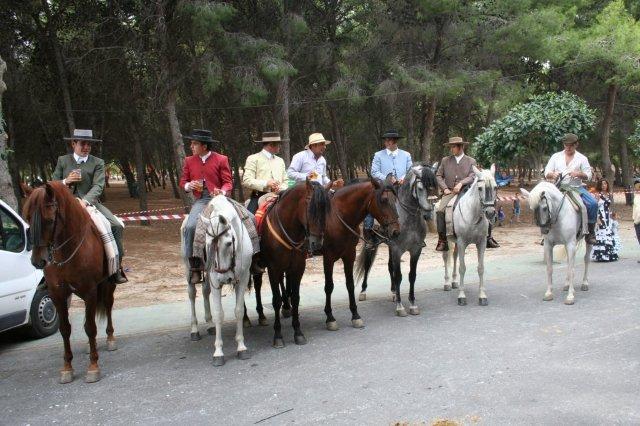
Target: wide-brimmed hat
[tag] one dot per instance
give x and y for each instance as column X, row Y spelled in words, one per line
column 82, row 135
column 456, row 140
column 315, row 138
column 392, row 134
column 570, row 139
column 200, row 135
column 270, row 137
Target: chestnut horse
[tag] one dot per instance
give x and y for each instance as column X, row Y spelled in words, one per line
column 292, row 228
column 67, row 245
column 349, row 206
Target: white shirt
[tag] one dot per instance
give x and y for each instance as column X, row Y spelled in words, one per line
column 80, row 160
column 204, row 157
column 459, row 157
column 392, row 153
column 267, row 154
column 305, row 162
column 557, row 163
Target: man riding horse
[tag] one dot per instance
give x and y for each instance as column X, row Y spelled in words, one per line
column 311, row 163
column 574, row 165
column 84, row 175
column 264, row 171
column 205, row 174
column 454, row 172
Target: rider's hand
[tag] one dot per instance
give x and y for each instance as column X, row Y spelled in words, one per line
column 217, row 192
column 447, row 191
column 82, row 202
column 576, row 174
column 400, row 182
column 72, row 178
column 554, row 175
column 457, row 188
column 272, row 184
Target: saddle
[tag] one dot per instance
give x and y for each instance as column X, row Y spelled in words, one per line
column 450, row 208
column 578, row 205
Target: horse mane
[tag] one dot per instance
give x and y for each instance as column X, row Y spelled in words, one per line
column 320, row 204
column 536, row 193
column 428, row 176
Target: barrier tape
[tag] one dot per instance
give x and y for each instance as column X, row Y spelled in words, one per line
column 166, row 209
column 153, row 217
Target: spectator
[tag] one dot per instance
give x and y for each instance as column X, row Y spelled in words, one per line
column 516, row 210
column 636, row 216
column 607, row 245
column 500, row 216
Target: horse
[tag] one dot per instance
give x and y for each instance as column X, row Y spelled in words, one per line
column 561, row 224
column 414, row 205
column 349, row 206
column 292, row 228
column 471, row 217
column 228, row 252
column 67, row 246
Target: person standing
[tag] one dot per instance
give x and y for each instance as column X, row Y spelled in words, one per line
column 311, row 162
column 608, row 242
column 84, row 175
column 264, row 171
column 205, row 174
column 636, row 216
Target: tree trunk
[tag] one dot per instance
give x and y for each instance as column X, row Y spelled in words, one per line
column 627, row 175
column 238, row 180
column 492, row 101
column 6, row 188
column 342, row 155
column 606, row 130
column 128, row 176
column 411, row 138
column 176, row 137
column 14, row 170
column 64, row 82
column 283, row 97
column 140, row 175
column 427, row 136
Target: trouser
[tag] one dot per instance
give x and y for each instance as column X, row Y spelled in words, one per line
column 368, row 222
column 444, row 201
column 189, row 230
column 116, row 227
column 637, row 226
column 441, row 222
column 590, row 203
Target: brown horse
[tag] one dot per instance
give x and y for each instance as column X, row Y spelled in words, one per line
column 293, row 227
column 67, row 245
column 349, row 206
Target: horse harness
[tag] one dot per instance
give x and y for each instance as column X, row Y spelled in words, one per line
column 289, row 244
column 551, row 220
column 216, row 239
column 483, row 205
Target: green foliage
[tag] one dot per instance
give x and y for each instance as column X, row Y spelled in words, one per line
column 634, row 141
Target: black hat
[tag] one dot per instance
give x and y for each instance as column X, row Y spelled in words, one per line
column 392, row 134
column 200, row 135
column 82, row 135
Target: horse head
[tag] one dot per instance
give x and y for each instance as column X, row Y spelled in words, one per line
column 424, row 188
column 318, row 206
column 41, row 212
column 221, row 243
column 541, row 201
column 487, row 191
column 382, row 206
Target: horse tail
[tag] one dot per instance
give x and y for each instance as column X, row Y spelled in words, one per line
column 105, row 292
column 364, row 262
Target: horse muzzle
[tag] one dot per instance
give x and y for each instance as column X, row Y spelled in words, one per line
column 490, row 213
column 38, row 263
column 315, row 244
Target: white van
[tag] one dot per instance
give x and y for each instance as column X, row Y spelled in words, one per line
column 24, row 300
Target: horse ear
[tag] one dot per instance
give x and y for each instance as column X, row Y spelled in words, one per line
column 476, row 171
column 493, row 169
column 375, row 182
column 435, row 166
column 222, row 219
column 48, row 190
column 524, row 193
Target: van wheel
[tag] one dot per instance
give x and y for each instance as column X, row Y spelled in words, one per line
column 43, row 316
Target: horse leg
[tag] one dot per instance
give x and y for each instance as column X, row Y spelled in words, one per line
column 257, row 286
column 278, row 341
column 571, row 260
column 206, row 294
column 397, row 280
column 462, row 298
column 60, row 302
column 391, row 275
column 332, row 324
column 93, row 372
column 347, row 261
column 293, row 285
column 587, row 261
column 548, row 259
column 446, row 259
column 482, row 296
column 195, row 335
column 112, row 345
column 413, row 308
column 243, row 353
column 454, row 277
column 286, row 298
column 368, row 262
column 218, row 317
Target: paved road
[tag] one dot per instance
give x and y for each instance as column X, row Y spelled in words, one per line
column 519, row 360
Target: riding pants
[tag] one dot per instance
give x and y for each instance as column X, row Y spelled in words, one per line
column 189, row 230
column 116, row 227
column 590, row 203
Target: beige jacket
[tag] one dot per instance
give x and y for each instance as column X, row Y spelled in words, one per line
column 259, row 169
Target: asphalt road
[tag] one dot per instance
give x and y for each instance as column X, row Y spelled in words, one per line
column 518, row 361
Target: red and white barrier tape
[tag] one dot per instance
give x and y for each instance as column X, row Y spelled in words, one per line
column 120, row 215
column 153, row 217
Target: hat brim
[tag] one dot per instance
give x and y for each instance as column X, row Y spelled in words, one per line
column 391, row 137
column 80, row 138
column 456, row 143
column 278, row 141
column 326, row 142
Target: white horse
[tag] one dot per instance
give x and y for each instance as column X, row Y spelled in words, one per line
column 561, row 224
column 229, row 252
column 471, row 218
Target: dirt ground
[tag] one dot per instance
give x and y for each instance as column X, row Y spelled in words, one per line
column 156, row 273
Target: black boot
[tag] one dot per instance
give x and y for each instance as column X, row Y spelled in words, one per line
column 442, row 232
column 256, row 267
column 196, row 270
column 370, row 239
column 491, row 242
column 590, row 238
column 120, row 277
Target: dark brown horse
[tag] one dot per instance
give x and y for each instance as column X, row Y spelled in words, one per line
column 349, row 206
column 293, row 227
column 67, row 245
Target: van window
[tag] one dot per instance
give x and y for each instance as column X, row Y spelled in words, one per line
column 11, row 233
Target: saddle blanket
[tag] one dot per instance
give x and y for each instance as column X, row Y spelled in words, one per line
column 110, row 247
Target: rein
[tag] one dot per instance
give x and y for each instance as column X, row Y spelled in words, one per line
column 483, row 205
column 552, row 220
column 216, row 238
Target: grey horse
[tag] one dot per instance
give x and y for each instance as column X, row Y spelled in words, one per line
column 415, row 206
column 561, row 224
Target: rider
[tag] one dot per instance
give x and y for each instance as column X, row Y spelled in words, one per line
column 205, row 174
column 84, row 175
column 571, row 163
column 311, row 162
column 389, row 161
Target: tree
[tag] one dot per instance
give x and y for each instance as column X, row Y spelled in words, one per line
column 6, row 188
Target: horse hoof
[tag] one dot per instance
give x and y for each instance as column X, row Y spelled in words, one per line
column 548, row 297
column 92, row 376
column 357, row 323
column 462, row 301
column 483, row 301
column 263, row 321
column 569, row 301
column 584, row 287
column 66, row 376
column 244, row 355
column 246, row 323
column 211, row 331
column 218, row 361
column 195, row 336
column 565, row 288
column 454, row 285
column 278, row 343
column 300, row 340
column 414, row 310
column 286, row 313
column 362, row 297
column 332, row 326
column 401, row 312
column 112, row 345
column 447, row 287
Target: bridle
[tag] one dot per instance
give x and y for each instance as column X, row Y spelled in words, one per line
column 216, row 258
column 414, row 193
column 290, row 243
column 484, row 202
column 552, row 219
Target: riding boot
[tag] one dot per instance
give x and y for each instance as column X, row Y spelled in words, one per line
column 442, row 232
column 370, row 239
column 491, row 242
column 120, row 277
column 195, row 266
column 590, row 238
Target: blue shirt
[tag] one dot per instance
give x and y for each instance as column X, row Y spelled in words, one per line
column 397, row 163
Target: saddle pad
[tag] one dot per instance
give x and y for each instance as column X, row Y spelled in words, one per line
column 448, row 216
column 110, row 247
column 262, row 211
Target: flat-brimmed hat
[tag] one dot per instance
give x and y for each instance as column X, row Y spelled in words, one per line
column 270, row 137
column 392, row 134
column 200, row 135
column 456, row 140
column 315, row 138
column 569, row 139
column 82, row 135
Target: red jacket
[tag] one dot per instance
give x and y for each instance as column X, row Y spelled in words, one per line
column 215, row 172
